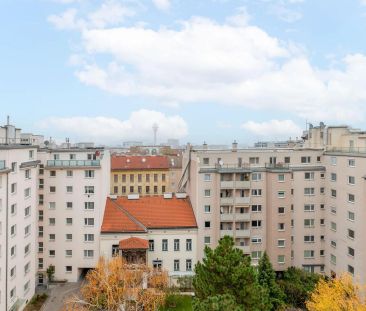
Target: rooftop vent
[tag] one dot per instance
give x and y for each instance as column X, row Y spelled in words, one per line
column 180, row 195
column 168, row 195
column 113, row 196
column 133, row 196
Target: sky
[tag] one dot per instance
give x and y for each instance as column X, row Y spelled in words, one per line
column 203, row 70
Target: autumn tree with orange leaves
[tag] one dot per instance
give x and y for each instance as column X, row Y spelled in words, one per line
column 114, row 284
column 338, row 294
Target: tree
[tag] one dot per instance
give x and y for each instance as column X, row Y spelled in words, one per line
column 50, row 272
column 338, row 294
column 115, row 283
column 297, row 285
column 267, row 279
column 226, row 277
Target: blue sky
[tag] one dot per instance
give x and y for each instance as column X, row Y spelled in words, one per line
column 213, row 70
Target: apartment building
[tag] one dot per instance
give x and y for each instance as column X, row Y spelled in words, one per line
column 72, row 186
column 18, row 210
column 143, row 175
column 160, row 231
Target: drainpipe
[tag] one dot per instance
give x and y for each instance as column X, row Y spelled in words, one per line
column 6, row 239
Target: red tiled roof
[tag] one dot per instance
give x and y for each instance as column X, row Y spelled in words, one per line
column 139, row 162
column 133, row 243
column 124, row 215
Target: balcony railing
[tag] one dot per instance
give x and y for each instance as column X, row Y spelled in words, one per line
column 245, row 249
column 280, row 166
column 242, row 200
column 2, row 165
column 242, row 216
column 224, row 232
column 227, row 217
column 347, row 149
column 73, row 163
column 227, row 200
column 242, row 233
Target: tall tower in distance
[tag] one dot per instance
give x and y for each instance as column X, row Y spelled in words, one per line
column 155, row 128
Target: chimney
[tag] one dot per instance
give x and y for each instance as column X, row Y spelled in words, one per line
column 234, row 147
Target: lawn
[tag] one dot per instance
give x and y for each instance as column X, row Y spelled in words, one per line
column 178, row 303
column 36, row 303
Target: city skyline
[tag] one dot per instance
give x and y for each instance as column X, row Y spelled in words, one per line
column 106, row 71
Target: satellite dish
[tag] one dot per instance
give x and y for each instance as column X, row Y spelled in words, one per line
column 221, row 162
column 46, row 142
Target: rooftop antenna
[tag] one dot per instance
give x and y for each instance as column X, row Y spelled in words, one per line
column 155, row 128
column 7, row 120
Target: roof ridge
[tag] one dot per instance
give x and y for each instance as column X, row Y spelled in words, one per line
column 128, row 214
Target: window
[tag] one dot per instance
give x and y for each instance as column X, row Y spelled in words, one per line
column 256, row 176
column 52, row 173
column 69, row 173
column 333, row 160
column 207, row 224
column 309, row 191
column 176, row 265
column 281, row 194
column 13, row 188
column 351, row 216
column 206, row 161
column 287, row 160
column 176, row 245
column 155, row 189
column 188, row 264
column 308, row 254
column 318, row 159
column 207, row 177
column 351, row 198
column 256, row 223
column 351, row 180
column 40, row 247
column 333, row 193
column 281, row 259
column 309, row 175
column 89, row 189
column 309, row 239
column 256, row 240
column 333, row 177
column 12, row 292
column 256, row 208
column 68, row 237
column 52, row 205
column 88, row 253
column 351, row 234
column 256, row 192
column 72, row 156
column 68, row 269
column 351, row 162
column 333, row 243
column 27, row 230
column 88, row 237
column 51, row 221
column 115, row 189
column 52, row 189
column 13, row 230
column 31, row 154
column 13, row 271
column 13, row 167
column 309, row 223
column 305, row 160
column 69, row 189
column 124, row 178
column 256, row 255
column 207, row 239
column 254, row 160
column 309, row 208
column 163, row 177
column 124, row 189
column 40, row 231
column 68, row 221
column 13, row 251
column 13, row 209
column 322, row 221
column 27, row 249
column 132, row 178
column 27, row 211
column 280, row 243
column 333, row 210
column 281, row 177
column 68, row 204
column 40, row 263
column 188, row 244
column 333, row 259
column 281, row 210
column 207, row 193
column 89, row 205
column 27, row 174
column 155, row 177
column 351, row 252
column 322, row 190
column 115, row 178
column 52, row 253
column 351, row 270
column 89, row 221
column 207, row 208
column 164, row 245
column 333, row 226
column 89, row 173
column 151, row 245
column 281, row 226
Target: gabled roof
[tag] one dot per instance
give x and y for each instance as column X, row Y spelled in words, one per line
column 150, row 212
column 133, row 243
column 139, row 162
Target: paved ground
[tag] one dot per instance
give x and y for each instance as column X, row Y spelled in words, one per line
column 59, row 294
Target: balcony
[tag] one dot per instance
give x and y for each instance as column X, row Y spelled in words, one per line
column 245, row 249
column 242, row 233
column 226, row 232
column 277, row 166
column 227, row 200
column 2, row 165
column 227, row 184
column 73, row 163
column 242, row 216
column 242, row 200
column 227, row 217
column 242, row 184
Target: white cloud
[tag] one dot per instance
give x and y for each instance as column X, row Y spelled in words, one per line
column 204, row 61
column 242, row 17
column 363, row 2
column 274, row 129
column 163, row 5
column 112, row 130
column 66, row 20
column 224, row 125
